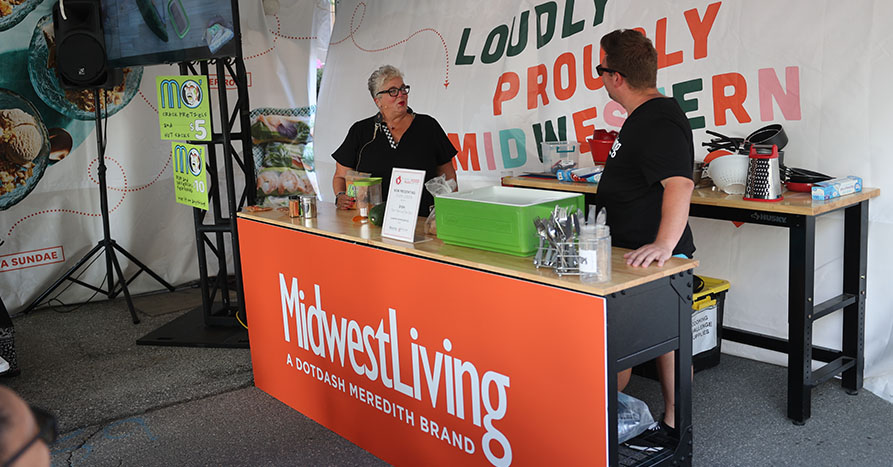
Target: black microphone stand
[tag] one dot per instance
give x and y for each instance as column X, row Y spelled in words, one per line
column 107, row 245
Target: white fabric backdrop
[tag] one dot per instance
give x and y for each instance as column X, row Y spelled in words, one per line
column 825, row 61
column 282, row 50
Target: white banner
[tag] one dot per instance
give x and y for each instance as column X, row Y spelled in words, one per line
column 47, row 227
column 502, row 76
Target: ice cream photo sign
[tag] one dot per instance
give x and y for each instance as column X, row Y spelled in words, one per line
column 184, row 112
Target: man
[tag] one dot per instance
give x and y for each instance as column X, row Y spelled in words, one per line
column 22, row 441
column 647, row 182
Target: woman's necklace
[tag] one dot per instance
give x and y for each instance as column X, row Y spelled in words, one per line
column 393, row 126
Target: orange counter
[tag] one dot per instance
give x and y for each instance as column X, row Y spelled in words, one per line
column 432, row 354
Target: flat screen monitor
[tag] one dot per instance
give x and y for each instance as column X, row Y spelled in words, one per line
column 151, row 32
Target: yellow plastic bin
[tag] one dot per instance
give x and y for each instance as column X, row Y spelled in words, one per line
column 706, row 322
column 706, row 327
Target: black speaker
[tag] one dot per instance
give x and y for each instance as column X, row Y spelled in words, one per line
column 80, row 45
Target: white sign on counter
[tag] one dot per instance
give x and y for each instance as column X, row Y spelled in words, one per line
column 402, row 210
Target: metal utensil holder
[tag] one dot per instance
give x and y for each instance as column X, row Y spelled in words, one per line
column 562, row 257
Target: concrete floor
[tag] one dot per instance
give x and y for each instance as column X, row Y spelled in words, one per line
column 123, row 404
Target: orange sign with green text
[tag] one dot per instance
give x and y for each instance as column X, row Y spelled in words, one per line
column 422, row 362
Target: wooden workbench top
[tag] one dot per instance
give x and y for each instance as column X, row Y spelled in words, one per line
column 339, row 224
column 793, row 202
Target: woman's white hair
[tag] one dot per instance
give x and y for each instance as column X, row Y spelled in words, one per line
column 380, row 76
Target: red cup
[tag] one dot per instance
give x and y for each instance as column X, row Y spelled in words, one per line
column 601, row 143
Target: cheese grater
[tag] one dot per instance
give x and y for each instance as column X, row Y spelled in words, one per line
column 763, row 175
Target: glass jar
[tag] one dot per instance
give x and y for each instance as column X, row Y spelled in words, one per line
column 368, row 194
column 595, row 253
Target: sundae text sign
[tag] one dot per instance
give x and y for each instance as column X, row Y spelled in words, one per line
column 184, row 109
column 422, row 362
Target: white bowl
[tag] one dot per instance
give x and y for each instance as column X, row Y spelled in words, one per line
column 729, row 173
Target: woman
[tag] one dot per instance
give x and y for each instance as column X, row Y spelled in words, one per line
column 396, row 137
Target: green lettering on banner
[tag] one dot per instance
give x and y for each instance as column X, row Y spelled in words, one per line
column 520, row 41
column 569, row 27
column 689, row 105
column 190, row 177
column 461, row 58
column 550, row 134
column 520, row 143
column 500, row 35
column 599, row 12
column 543, row 37
column 184, row 109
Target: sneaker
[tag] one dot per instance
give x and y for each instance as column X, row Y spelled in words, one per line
column 647, row 442
column 8, row 352
column 661, row 427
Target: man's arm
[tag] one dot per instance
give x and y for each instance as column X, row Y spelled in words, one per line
column 673, row 219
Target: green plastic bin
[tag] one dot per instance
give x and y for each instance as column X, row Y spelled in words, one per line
column 498, row 218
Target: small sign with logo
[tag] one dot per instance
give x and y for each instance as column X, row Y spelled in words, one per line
column 184, row 109
column 190, row 178
column 402, row 210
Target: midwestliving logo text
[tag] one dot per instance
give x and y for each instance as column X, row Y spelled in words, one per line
column 371, row 350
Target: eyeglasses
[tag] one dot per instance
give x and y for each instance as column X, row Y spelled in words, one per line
column 394, row 92
column 602, row 70
column 47, row 430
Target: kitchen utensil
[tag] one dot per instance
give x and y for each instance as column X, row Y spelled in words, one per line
column 793, row 174
column 554, row 239
column 541, row 232
column 729, row 173
column 768, row 135
column 723, row 142
column 799, row 187
column 294, row 206
column 601, row 143
column 308, row 206
column 712, row 155
column 763, row 176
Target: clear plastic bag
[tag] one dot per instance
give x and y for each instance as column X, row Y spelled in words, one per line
column 437, row 186
column 633, row 417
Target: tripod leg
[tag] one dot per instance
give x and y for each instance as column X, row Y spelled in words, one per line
column 65, row 276
column 143, row 267
column 114, row 260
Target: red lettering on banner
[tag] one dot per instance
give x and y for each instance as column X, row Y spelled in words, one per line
column 466, row 153
column 229, row 82
column 592, row 80
column 788, row 101
column 502, row 93
column 30, row 259
column 565, row 61
column 537, row 79
column 734, row 101
column 581, row 129
column 614, row 114
column 488, row 150
column 700, row 27
column 660, row 43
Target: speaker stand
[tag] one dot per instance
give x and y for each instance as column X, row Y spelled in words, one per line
column 107, row 245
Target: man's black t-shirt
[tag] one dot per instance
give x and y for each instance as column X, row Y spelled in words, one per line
column 424, row 146
column 654, row 143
